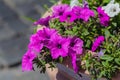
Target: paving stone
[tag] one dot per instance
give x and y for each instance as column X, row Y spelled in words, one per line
column 16, row 24
column 13, row 50
column 17, row 74
column 31, row 8
column 5, row 11
column 3, row 62
column 5, row 31
column 11, row 18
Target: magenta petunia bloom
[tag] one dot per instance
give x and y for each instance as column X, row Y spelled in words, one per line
column 47, row 36
column 27, row 59
column 97, row 42
column 35, row 43
column 68, row 16
column 75, row 48
column 104, row 18
column 77, row 11
column 74, row 62
column 59, row 47
column 43, row 21
column 59, row 10
column 76, row 45
column 86, row 13
column 104, row 21
column 83, row 13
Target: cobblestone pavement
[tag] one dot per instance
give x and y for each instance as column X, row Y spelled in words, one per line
column 14, row 36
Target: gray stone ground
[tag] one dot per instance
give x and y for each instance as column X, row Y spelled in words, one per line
column 14, row 36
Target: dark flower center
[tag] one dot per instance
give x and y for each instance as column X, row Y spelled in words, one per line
column 47, row 37
column 28, row 57
column 59, row 46
column 69, row 16
column 60, row 13
column 114, row 10
column 100, row 15
column 46, row 42
column 72, row 44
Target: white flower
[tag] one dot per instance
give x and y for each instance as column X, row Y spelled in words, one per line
column 112, row 9
column 74, row 3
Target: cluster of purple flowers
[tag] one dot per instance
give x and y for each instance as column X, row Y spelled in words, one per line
column 59, row 47
column 64, row 13
column 43, row 21
column 104, row 18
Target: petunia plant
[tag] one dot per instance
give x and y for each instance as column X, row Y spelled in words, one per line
column 87, row 31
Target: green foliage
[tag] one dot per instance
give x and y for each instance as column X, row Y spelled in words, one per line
column 107, row 65
column 28, row 18
column 66, row 1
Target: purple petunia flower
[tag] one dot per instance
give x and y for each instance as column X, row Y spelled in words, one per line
column 83, row 13
column 47, row 36
column 77, row 11
column 35, row 43
column 59, row 10
column 27, row 59
column 74, row 61
column 86, row 13
column 104, row 18
column 104, row 21
column 75, row 48
column 68, row 16
column 43, row 21
column 59, row 47
column 97, row 42
column 76, row 45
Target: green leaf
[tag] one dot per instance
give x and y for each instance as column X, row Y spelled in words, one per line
column 61, row 59
column 106, row 1
column 117, row 60
column 105, row 63
column 52, row 65
column 29, row 19
column 107, row 33
column 42, row 62
column 87, row 63
column 88, row 43
column 35, row 30
column 68, row 32
column 66, row 1
column 53, row 1
column 85, row 32
column 102, row 74
column 107, row 58
column 114, row 24
column 46, row 7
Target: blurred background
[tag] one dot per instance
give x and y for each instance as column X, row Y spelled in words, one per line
column 15, row 30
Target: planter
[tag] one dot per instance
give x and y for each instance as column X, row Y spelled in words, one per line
column 64, row 72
